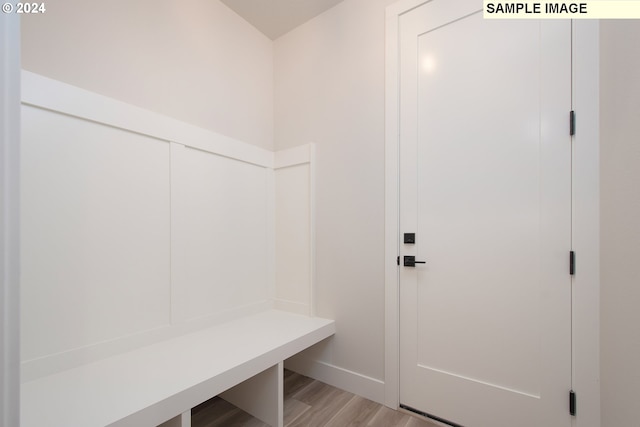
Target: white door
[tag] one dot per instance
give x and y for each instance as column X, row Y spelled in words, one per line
column 485, row 185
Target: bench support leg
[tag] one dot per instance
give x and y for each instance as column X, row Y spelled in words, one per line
column 261, row 396
column 182, row 420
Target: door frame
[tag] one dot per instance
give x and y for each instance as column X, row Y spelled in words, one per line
column 9, row 214
column 585, row 214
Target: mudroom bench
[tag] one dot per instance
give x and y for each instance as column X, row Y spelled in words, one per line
column 240, row 360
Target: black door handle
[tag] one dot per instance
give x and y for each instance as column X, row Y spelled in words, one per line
column 410, row 261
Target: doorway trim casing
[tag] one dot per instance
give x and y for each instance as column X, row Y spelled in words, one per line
column 585, row 215
column 9, row 214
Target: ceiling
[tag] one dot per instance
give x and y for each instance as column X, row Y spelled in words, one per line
column 277, row 17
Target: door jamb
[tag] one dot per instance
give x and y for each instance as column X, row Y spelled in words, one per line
column 585, row 214
column 9, row 217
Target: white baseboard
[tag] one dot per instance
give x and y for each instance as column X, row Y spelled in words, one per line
column 353, row 382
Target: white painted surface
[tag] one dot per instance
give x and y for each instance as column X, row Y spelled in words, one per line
column 490, row 203
column 392, row 206
column 330, row 90
column 293, row 255
column 185, row 419
column 585, row 238
column 10, row 220
column 219, row 234
column 309, row 363
column 95, row 233
column 46, row 93
column 261, row 395
column 98, row 176
column 294, row 176
column 153, row 384
column 619, row 210
column 197, row 62
column 294, row 156
column 586, row 224
column 182, row 420
column 277, row 17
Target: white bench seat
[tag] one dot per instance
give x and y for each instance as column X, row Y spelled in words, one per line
column 159, row 382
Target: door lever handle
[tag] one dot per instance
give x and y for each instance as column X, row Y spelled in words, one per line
column 410, row 261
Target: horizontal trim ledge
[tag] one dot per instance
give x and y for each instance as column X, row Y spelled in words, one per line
column 43, row 92
column 293, row 156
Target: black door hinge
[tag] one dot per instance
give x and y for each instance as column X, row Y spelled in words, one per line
column 572, row 263
column 572, row 403
column 572, row 123
column 398, row 260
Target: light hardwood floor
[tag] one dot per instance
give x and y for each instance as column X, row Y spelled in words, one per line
column 309, row 403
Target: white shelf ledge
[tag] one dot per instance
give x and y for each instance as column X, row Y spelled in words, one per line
column 153, row 384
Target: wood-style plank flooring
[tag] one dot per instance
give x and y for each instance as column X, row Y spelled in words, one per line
column 309, row 403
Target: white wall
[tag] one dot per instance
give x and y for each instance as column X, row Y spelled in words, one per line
column 9, row 218
column 329, row 89
column 620, row 227
column 196, row 60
